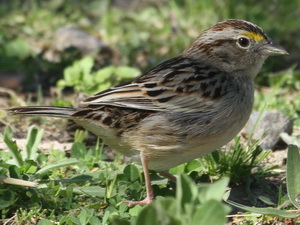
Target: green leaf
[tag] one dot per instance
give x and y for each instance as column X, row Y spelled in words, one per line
column 14, row 171
column 69, row 77
column 166, row 204
column 86, row 64
column 193, row 165
column 290, row 140
column 30, row 167
column 186, row 191
column 213, row 212
column 78, row 74
column 293, row 175
column 5, row 165
column 134, row 211
column 178, row 169
column 64, row 162
column 12, row 146
column 45, row 222
column 148, row 216
column 95, row 191
column 131, row 172
column 265, row 211
column 33, row 139
column 7, row 198
column 74, row 219
column 94, row 221
column 17, row 48
column 104, row 74
column 158, row 213
column 214, row 191
column 126, row 72
column 266, row 200
column 83, row 217
column 75, row 179
column 78, row 150
column 118, row 221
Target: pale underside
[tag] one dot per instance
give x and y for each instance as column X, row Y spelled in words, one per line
column 167, row 144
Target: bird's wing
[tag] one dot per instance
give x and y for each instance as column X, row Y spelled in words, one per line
column 178, row 84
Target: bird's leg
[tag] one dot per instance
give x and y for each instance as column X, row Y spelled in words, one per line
column 167, row 175
column 150, row 196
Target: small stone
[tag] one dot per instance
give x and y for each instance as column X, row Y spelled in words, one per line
column 269, row 127
column 66, row 37
column 69, row 37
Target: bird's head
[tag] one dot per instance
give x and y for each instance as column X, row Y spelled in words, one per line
column 234, row 46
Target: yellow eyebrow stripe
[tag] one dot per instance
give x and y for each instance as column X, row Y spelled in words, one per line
column 254, row 36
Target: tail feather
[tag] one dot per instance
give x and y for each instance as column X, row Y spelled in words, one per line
column 64, row 112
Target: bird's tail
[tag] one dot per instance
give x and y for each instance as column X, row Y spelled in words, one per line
column 64, row 112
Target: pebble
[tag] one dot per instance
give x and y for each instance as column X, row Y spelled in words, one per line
column 268, row 129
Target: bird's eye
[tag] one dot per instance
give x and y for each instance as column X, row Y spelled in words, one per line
column 243, row 42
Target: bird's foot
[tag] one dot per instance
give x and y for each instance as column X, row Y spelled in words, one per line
column 146, row 201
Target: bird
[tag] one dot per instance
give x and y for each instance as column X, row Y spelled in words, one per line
column 181, row 109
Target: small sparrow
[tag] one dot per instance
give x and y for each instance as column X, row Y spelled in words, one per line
column 183, row 108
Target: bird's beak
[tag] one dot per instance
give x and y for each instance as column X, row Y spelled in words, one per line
column 272, row 49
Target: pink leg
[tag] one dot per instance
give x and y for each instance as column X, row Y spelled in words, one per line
column 150, row 196
column 167, row 175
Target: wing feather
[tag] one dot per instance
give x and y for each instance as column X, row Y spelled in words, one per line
column 178, row 84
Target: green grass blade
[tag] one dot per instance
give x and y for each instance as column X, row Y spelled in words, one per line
column 12, row 146
column 33, row 139
column 65, row 162
column 293, row 174
column 76, row 179
column 95, row 191
column 265, row 211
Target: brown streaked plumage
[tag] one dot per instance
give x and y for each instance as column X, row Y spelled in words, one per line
column 183, row 108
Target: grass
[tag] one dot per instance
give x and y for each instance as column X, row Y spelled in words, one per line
column 84, row 188
column 85, row 184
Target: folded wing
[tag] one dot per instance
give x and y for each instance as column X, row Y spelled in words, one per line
column 178, row 84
